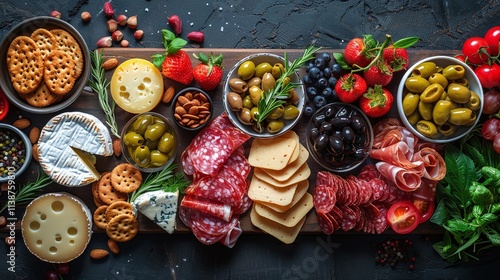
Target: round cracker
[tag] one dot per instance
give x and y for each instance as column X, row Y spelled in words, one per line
column 68, row 44
column 122, row 228
column 119, row 207
column 107, row 193
column 42, row 97
column 25, row 64
column 59, row 70
column 44, row 40
column 126, row 178
column 100, row 217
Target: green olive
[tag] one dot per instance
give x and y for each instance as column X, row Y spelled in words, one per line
column 141, row 124
column 133, row 139
column 255, row 81
column 275, row 126
column 154, row 131
column 410, row 103
column 424, row 69
column 278, row 68
column 245, row 116
column 474, row 102
column 462, row 81
column 425, row 110
column 166, row 144
column 158, row 158
column 432, row 93
column 255, row 94
column 453, row 72
column 462, row 116
column 286, row 81
column 254, row 113
column 416, row 84
column 441, row 112
column 276, row 113
column 458, row 93
column 234, row 100
column 151, row 144
column 291, row 112
column 444, row 96
column 246, row 70
column 414, row 118
column 238, row 85
column 427, row 128
column 294, row 97
column 247, row 102
column 262, row 68
column 141, row 155
column 438, row 78
column 268, row 82
column 160, row 121
column 446, row 129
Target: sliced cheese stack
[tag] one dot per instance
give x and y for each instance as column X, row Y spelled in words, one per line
column 160, row 207
column 279, row 186
column 57, row 227
column 67, row 147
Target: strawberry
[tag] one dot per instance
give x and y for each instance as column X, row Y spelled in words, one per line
column 208, row 73
column 359, row 51
column 376, row 102
column 397, row 58
column 175, row 63
column 380, row 73
column 350, row 87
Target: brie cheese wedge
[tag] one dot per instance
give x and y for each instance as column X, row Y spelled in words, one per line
column 67, row 147
column 160, row 207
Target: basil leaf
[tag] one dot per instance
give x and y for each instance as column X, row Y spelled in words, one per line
column 406, row 42
column 175, row 45
column 458, row 225
column 493, row 237
column 467, row 244
column 440, row 215
column 446, row 254
column 158, row 60
column 460, row 174
column 341, row 61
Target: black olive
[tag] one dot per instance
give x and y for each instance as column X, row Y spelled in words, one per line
column 336, row 144
column 360, row 140
column 360, row 153
column 326, row 127
column 343, row 112
column 321, row 142
column 348, row 134
column 357, row 124
column 340, row 121
column 337, row 133
column 348, row 148
column 330, row 112
column 339, row 158
column 314, row 133
column 319, row 119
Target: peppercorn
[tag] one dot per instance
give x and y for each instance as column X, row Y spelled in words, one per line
column 396, row 251
column 13, row 152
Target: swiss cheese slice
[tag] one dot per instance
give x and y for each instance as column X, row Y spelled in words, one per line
column 67, row 147
column 57, row 227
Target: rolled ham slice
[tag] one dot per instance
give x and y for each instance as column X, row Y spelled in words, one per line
column 434, row 165
column 405, row 179
column 399, row 154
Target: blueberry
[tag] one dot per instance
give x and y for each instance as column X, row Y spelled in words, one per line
column 311, row 92
column 336, row 69
column 307, row 80
column 319, row 101
column 309, row 66
column 327, row 72
column 327, row 92
column 319, row 62
column 314, row 72
column 308, row 110
column 321, row 83
column 332, row 81
column 326, row 56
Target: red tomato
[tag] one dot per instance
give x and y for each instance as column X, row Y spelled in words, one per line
column 475, row 49
column 490, row 128
column 488, row 75
column 4, row 105
column 492, row 37
column 460, row 57
column 425, row 208
column 403, row 217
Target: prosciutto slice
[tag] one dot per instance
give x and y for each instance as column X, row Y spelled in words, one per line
column 405, row 179
column 434, row 164
column 398, row 154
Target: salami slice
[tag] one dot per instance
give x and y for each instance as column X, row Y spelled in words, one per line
column 223, row 123
column 217, row 189
column 380, row 190
column 380, row 222
column 368, row 172
column 213, row 225
column 187, row 164
column 205, row 238
column 405, row 179
column 246, row 204
column 426, row 191
column 209, row 150
column 233, row 177
column 349, row 220
column 324, row 198
column 361, row 220
column 325, row 223
column 230, row 238
column 217, row 209
column 239, row 163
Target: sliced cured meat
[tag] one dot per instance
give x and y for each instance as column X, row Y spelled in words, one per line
column 205, row 238
column 233, row 177
column 385, row 125
column 426, row 191
column 187, row 164
column 361, row 220
column 213, row 225
column 398, row 154
column 325, row 178
column 324, row 198
column 365, row 194
column 217, row 209
column 217, row 189
column 350, row 218
column 406, row 180
column 246, row 204
column 239, row 163
column 368, row 172
column 223, row 123
column 434, row 165
column 230, row 238
column 380, row 222
column 388, row 138
column 380, row 189
column 325, row 223
column 352, row 189
column 209, row 150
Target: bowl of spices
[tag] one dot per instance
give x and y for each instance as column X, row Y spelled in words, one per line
column 15, row 152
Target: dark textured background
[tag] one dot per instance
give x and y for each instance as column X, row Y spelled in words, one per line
column 440, row 24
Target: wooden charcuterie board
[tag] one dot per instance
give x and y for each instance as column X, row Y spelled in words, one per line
column 88, row 102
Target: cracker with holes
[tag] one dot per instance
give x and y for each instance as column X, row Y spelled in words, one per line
column 68, row 44
column 42, row 97
column 59, row 72
column 44, row 40
column 126, row 178
column 119, row 207
column 24, row 63
column 271, row 153
column 100, row 217
column 122, row 228
column 108, row 194
column 285, row 234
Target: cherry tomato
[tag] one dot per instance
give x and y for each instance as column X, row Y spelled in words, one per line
column 496, row 143
column 403, row 217
column 475, row 50
column 490, row 129
column 492, row 37
column 460, row 57
column 491, row 102
column 4, row 105
column 488, row 75
column 425, row 208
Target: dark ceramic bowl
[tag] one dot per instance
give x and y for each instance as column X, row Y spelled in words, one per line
column 12, row 173
column 183, row 121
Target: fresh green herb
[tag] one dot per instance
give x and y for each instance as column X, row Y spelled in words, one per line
column 99, row 85
column 174, row 183
column 280, row 93
column 469, row 200
column 172, row 45
column 153, row 182
column 29, row 191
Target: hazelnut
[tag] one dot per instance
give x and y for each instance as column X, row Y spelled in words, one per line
column 132, row 22
column 86, row 16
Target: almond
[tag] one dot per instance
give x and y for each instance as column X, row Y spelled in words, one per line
column 34, row 134
column 34, row 150
column 4, row 187
column 110, row 64
column 168, row 95
column 21, row 123
column 117, row 147
column 98, row 254
column 113, row 246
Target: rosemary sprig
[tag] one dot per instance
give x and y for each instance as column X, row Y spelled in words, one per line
column 153, row 182
column 174, row 183
column 29, row 191
column 280, row 93
column 99, row 85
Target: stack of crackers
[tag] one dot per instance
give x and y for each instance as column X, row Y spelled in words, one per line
column 114, row 214
column 279, row 186
column 44, row 66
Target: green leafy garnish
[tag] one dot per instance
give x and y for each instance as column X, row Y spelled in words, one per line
column 172, row 45
column 175, row 183
column 99, row 85
column 26, row 193
column 153, row 182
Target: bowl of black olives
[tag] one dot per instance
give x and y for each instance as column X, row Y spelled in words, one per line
column 149, row 142
column 440, row 99
column 339, row 137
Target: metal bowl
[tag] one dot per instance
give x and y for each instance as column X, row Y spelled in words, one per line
column 26, row 28
column 12, row 173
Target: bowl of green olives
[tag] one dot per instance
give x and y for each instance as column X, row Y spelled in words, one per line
column 16, row 151
column 245, row 85
column 440, row 99
column 339, row 137
column 149, row 142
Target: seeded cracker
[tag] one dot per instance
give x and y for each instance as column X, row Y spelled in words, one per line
column 126, row 178
column 107, row 193
column 42, row 96
column 69, row 45
column 59, row 70
column 122, row 228
column 45, row 41
column 118, row 207
column 23, row 62
column 100, row 217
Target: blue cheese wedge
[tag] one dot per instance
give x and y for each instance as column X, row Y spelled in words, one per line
column 67, row 147
column 160, row 207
